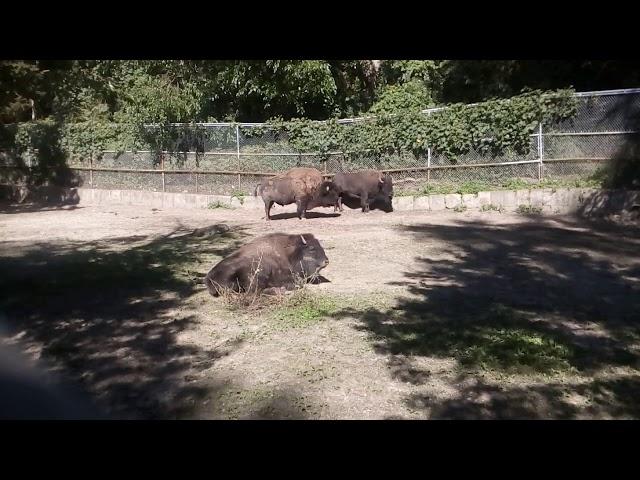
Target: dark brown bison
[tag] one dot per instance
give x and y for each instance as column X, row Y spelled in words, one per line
column 368, row 185
column 271, row 261
column 303, row 186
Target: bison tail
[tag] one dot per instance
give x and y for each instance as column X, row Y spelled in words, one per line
column 257, row 190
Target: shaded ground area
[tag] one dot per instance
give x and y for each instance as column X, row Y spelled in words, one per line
column 424, row 315
column 543, row 298
column 107, row 315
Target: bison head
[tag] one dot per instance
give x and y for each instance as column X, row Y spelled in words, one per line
column 385, row 194
column 326, row 195
column 311, row 257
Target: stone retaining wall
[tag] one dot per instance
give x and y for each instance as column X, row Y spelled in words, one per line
column 554, row 201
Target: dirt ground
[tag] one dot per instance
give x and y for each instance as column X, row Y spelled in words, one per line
column 425, row 315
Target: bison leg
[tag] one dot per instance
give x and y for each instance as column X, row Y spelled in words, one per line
column 364, row 202
column 338, row 204
column 267, row 209
column 302, row 208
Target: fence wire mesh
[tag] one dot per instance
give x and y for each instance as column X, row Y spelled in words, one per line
column 231, row 159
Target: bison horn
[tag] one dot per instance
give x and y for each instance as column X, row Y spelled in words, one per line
column 303, row 240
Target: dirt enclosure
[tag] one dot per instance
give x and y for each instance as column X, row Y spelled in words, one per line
column 430, row 315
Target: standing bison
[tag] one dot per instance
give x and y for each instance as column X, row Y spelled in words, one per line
column 271, row 261
column 303, row 186
column 368, row 185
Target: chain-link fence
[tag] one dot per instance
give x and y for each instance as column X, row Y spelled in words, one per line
column 231, row 158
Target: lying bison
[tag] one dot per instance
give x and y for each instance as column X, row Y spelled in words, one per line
column 368, row 185
column 270, row 262
column 303, row 186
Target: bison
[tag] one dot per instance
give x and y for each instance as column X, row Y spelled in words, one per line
column 303, row 186
column 368, row 185
column 272, row 261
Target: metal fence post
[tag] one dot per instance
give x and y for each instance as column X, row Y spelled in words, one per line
column 238, row 152
column 540, row 151
column 91, row 162
column 162, row 169
column 428, row 159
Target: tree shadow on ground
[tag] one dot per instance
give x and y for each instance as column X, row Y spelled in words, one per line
column 107, row 315
column 12, row 208
column 24, row 199
column 603, row 399
column 540, row 297
column 262, row 403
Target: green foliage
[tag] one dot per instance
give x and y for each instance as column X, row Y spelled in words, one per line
column 529, row 210
column 32, row 138
column 472, row 187
column 491, row 207
column 597, row 180
column 517, row 184
column 411, row 96
column 306, row 136
column 430, row 189
column 157, row 100
column 218, row 204
column 460, row 208
column 425, row 75
column 491, row 128
column 38, row 144
column 109, row 104
column 478, row 80
column 261, row 89
column 253, row 91
column 356, row 83
column 91, row 138
column 402, row 71
column 21, row 83
column 239, row 195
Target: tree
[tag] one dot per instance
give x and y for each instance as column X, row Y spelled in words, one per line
column 477, row 80
column 21, row 88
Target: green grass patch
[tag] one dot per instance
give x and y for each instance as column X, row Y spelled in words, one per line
column 499, row 340
column 472, row 187
column 239, row 194
column 529, row 210
column 491, row 207
column 302, row 309
column 595, row 180
column 515, row 350
column 460, row 208
column 218, row 204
